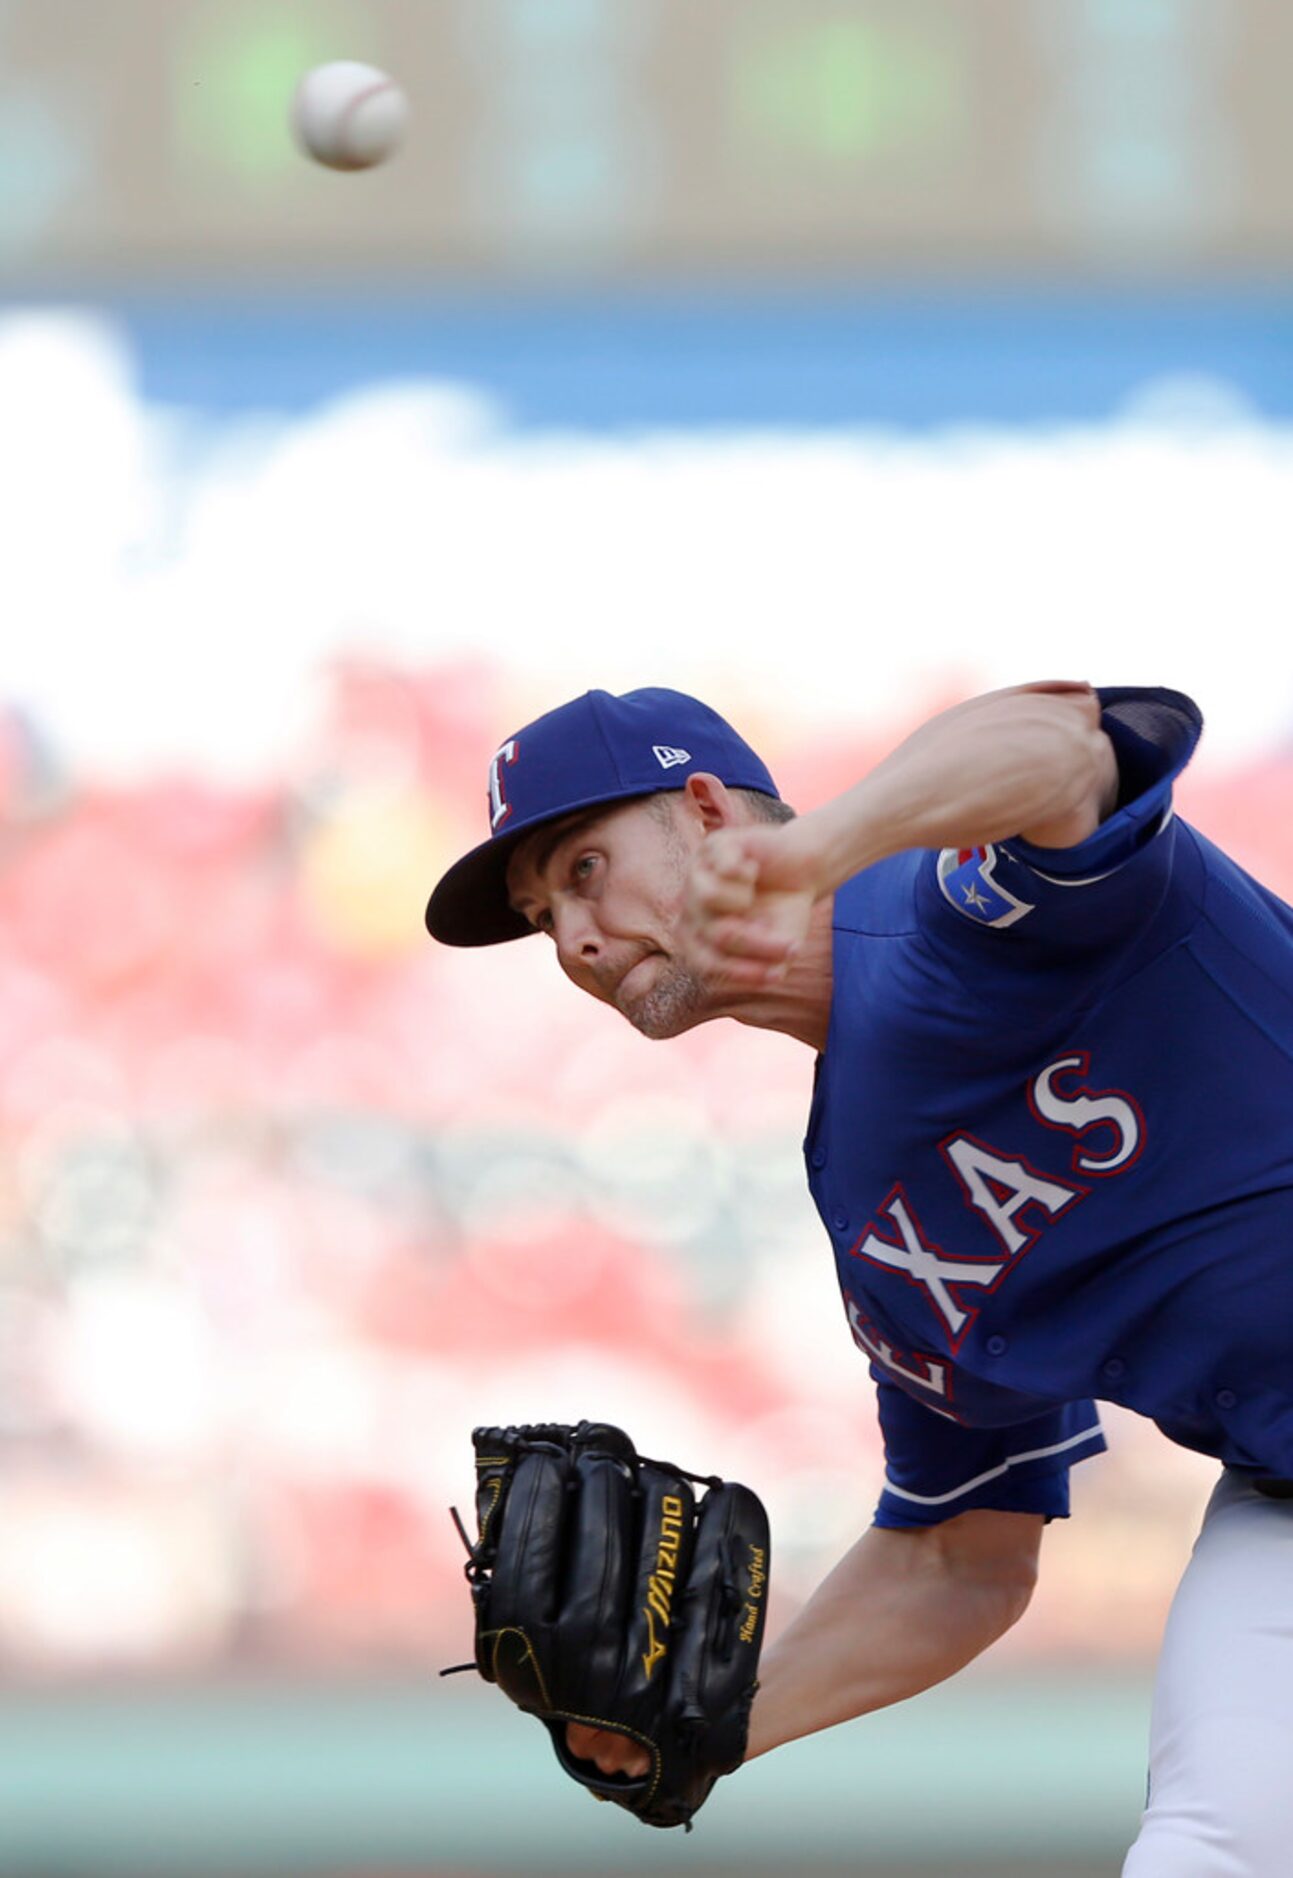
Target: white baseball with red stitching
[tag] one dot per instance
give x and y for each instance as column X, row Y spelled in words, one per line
column 349, row 115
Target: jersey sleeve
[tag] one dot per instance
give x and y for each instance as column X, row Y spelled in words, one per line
column 1019, row 897
column 935, row 1468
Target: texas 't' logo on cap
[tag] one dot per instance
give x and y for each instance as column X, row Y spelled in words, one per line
column 499, row 806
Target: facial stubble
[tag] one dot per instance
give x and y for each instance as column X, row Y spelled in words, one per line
column 677, row 1000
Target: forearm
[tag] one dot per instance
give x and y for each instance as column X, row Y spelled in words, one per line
column 901, row 1612
column 1032, row 761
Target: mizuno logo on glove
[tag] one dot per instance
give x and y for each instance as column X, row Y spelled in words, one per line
column 661, row 1582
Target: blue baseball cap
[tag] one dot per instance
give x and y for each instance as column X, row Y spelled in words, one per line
column 596, row 749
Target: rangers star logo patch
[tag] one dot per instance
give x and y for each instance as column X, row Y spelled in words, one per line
column 967, row 877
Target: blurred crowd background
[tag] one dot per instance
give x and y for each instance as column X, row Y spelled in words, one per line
column 832, row 358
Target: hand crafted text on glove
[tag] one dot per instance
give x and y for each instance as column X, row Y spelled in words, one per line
column 607, row 1594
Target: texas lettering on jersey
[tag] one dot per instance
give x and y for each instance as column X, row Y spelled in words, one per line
column 1014, row 1199
column 925, row 1372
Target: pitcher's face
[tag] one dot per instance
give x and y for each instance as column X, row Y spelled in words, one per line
column 608, row 889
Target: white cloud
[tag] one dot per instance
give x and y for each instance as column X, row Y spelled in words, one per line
column 169, row 589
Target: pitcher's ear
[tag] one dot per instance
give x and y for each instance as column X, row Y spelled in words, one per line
column 711, row 800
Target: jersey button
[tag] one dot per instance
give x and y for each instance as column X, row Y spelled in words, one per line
column 1226, row 1398
column 996, row 1346
column 819, row 1158
column 840, row 1219
column 1114, row 1368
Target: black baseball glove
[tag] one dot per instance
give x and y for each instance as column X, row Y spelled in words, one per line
column 606, row 1593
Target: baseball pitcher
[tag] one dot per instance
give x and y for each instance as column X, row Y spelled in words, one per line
column 1051, row 1142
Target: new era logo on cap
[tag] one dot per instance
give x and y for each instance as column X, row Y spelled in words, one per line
column 669, row 758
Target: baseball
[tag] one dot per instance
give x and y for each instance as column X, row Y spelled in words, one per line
column 349, row 115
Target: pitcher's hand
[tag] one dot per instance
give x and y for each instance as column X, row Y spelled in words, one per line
column 749, row 899
column 609, row 1753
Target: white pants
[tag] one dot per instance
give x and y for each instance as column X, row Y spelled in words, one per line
column 1221, row 1739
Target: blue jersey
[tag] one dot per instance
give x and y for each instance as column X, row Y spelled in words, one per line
column 1052, row 1142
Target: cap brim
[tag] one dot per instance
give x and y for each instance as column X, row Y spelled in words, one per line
column 469, row 906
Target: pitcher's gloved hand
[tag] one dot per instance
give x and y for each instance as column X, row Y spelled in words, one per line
column 609, row 1596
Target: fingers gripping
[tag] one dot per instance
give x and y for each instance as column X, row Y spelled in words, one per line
column 726, row 877
column 742, row 915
